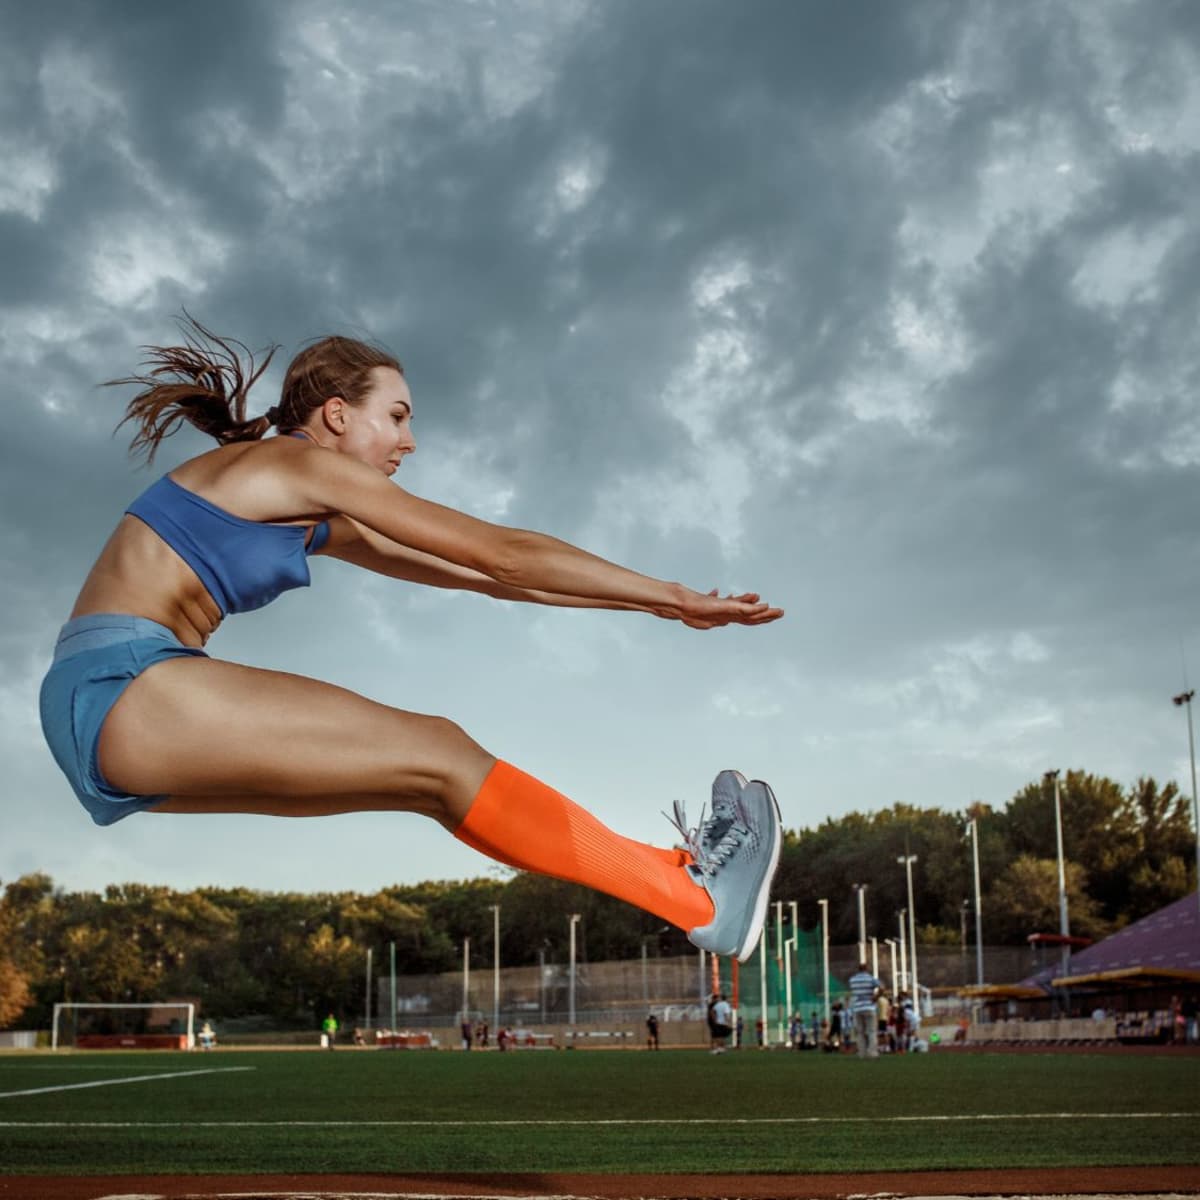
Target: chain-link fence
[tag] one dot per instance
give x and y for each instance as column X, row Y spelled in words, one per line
column 677, row 988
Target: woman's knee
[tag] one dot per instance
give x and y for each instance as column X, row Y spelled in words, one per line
column 456, row 766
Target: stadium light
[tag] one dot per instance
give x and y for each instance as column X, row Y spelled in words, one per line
column 466, row 1013
column 907, row 860
column 825, row 952
column 1064, row 922
column 495, row 968
column 890, row 943
column 861, row 891
column 575, row 917
column 978, row 904
column 1184, row 699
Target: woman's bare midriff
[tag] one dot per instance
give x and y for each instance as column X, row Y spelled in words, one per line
column 137, row 573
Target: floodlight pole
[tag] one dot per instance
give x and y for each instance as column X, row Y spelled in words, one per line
column 367, row 997
column 978, row 904
column 575, row 917
column 875, row 956
column 1064, row 924
column 392, row 1015
column 495, row 968
column 861, row 890
column 1182, row 700
column 783, row 1017
column 903, row 914
column 908, row 860
column 762, row 986
column 466, row 1005
column 825, row 952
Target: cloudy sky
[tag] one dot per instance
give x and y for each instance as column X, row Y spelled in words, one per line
column 887, row 311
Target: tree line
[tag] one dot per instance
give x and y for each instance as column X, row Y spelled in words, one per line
column 292, row 956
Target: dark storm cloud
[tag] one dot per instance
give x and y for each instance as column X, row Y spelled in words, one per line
column 888, row 310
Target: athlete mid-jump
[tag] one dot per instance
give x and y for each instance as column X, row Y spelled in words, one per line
column 139, row 717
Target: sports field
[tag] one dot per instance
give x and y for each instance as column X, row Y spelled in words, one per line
column 747, row 1112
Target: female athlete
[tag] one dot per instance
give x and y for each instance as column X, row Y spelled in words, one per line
column 140, row 718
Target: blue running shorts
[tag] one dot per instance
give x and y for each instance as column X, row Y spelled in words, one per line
column 96, row 658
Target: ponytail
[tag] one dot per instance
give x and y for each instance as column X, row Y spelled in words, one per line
column 202, row 382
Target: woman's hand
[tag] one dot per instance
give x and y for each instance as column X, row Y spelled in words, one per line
column 700, row 611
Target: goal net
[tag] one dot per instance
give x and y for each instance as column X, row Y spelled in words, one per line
column 154, row 1026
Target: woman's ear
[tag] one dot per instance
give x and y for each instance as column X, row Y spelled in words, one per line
column 333, row 414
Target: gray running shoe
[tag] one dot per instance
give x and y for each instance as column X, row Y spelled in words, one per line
column 734, row 864
column 726, row 789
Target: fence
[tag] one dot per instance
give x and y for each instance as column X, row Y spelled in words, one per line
column 674, row 987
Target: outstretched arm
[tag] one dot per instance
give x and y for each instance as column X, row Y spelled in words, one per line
column 355, row 543
column 518, row 560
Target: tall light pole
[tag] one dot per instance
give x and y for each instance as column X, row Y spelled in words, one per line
column 1185, row 698
column 825, row 952
column 762, row 987
column 466, row 979
column 1064, row 924
column 861, row 890
column 978, row 904
column 903, row 939
column 779, row 994
column 495, row 968
column 890, row 943
column 908, row 860
column 575, row 917
column 368, row 995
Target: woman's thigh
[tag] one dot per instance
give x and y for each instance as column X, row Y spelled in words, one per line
column 204, row 728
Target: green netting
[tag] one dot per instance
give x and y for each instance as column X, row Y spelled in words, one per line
column 807, row 988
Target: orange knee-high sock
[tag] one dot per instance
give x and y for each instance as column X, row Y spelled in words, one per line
column 520, row 821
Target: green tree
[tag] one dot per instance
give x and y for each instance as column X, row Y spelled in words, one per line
column 1024, row 900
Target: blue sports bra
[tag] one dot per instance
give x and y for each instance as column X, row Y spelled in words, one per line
column 244, row 564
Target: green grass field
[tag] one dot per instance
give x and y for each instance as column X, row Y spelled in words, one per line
column 597, row 1111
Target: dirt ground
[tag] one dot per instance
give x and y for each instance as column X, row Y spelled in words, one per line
column 1093, row 1182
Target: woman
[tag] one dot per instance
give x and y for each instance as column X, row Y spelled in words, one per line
column 140, row 718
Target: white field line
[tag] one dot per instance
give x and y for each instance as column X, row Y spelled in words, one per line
column 591, row 1123
column 67, row 1087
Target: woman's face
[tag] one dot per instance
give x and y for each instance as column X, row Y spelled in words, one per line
column 379, row 431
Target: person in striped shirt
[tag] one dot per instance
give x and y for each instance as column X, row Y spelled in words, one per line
column 864, row 991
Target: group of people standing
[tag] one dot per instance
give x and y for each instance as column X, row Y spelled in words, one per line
column 876, row 1018
column 869, row 1021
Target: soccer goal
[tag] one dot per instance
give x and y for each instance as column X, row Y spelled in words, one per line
column 154, row 1026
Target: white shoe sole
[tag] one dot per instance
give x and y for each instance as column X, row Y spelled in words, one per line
column 746, row 949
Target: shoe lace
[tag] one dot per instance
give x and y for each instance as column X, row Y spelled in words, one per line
column 709, row 856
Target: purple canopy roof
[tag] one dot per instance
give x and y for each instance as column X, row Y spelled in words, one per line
column 1166, row 940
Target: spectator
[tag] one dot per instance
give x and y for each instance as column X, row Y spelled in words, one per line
column 207, row 1036
column 466, row 1032
column 741, row 1032
column 330, row 1027
column 652, row 1032
column 836, row 1032
column 722, row 1025
column 912, row 1022
column 899, row 1013
column 795, row 1032
column 502, row 1036
column 884, row 1013
column 864, row 993
column 759, row 1030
